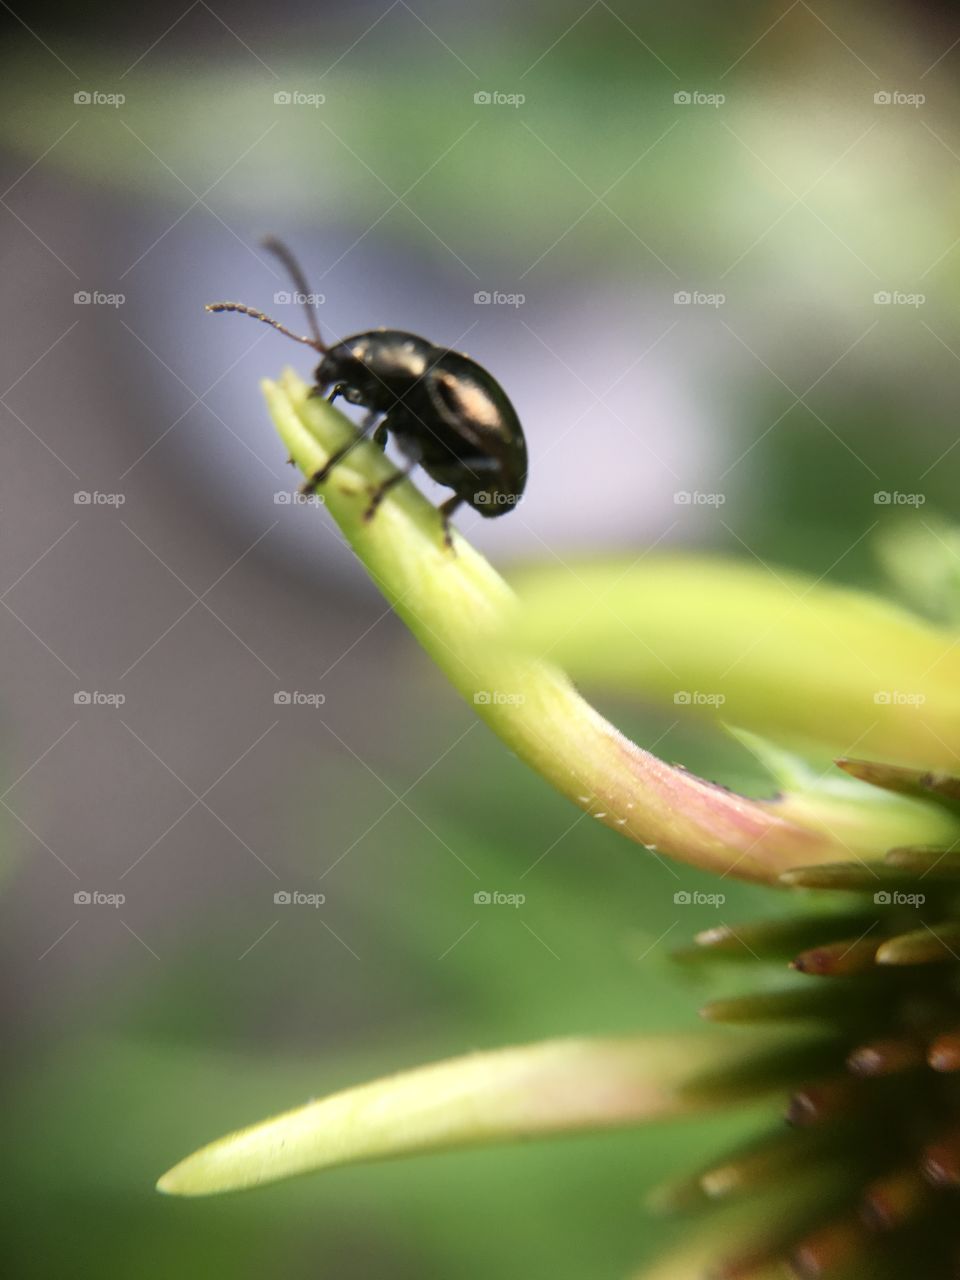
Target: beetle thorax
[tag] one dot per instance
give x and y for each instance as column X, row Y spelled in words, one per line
column 382, row 365
column 391, row 354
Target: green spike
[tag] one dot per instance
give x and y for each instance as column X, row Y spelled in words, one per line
column 834, row 1000
column 942, row 864
column 932, row 944
column 839, row 959
column 853, row 877
column 777, row 939
column 771, row 1067
column 942, row 787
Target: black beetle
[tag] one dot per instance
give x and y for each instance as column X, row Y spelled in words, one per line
column 446, row 412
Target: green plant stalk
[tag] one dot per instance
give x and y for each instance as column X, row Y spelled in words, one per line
column 465, row 616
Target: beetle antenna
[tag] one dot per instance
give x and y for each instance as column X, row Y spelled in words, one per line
column 295, row 272
column 258, row 315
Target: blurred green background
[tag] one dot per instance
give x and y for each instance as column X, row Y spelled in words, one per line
column 734, row 232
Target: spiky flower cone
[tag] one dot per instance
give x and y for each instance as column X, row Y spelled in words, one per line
column 878, row 1123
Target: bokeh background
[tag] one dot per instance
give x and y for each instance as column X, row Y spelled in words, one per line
column 724, row 249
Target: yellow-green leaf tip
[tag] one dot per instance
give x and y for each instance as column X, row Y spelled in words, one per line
column 557, row 1086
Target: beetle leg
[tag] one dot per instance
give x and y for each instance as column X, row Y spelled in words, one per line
column 319, row 389
column 383, row 489
column 380, row 435
column 446, row 511
column 318, row 477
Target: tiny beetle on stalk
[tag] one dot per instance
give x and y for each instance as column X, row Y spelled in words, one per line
column 445, row 411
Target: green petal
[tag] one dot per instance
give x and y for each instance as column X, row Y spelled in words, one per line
column 760, row 648
column 559, row 1086
column 467, row 618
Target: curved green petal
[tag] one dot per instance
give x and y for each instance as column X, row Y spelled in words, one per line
column 466, row 617
column 559, row 1086
column 759, row 648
